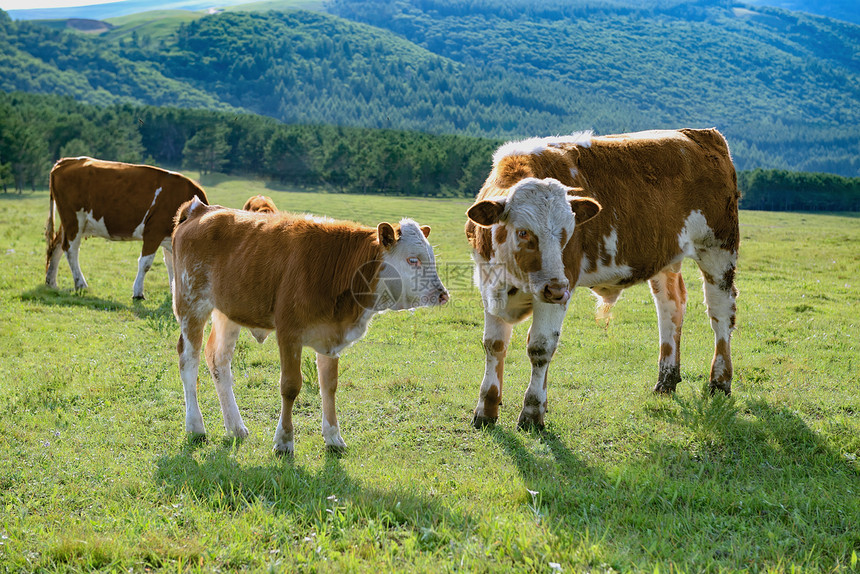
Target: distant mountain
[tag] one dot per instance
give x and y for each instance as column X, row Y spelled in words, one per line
column 784, row 87
column 116, row 9
column 847, row 10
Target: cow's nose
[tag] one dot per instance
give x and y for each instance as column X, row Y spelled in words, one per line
column 443, row 297
column 557, row 292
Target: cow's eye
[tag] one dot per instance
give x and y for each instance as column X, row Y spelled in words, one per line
column 523, row 234
column 413, row 261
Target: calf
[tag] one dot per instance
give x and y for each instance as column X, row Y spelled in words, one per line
column 261, row 204
column 315, row 281
column 603, row 213
column 117, row 201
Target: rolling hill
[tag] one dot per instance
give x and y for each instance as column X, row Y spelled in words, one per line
column 783, row 86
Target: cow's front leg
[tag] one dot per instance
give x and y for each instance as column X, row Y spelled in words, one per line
column 542, row 342
column 670, row 298
column 219, row 355
column 327, row 369
column 291, row 385
column 497, row 336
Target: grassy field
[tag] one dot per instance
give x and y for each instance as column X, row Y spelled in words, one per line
column 96, row 471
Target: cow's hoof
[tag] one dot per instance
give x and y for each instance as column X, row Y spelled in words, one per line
column 530, row 423
column 482, row 422
column 725, row 386
column 664, row 388
column 283, row 450
column 335, row 450
column 196, row 437
column 138, row 298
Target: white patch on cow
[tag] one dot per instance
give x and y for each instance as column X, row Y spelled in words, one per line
column 318, row 218
column 89, row 226
column 331, row 434
column 138, row 231
column 329, row 341
column 144, row 264
column 537, row 145
column 605, row 274
column 283, row 439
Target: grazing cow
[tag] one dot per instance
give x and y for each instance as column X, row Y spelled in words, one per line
column 117, row 201
column 604, row 213
column 315, row 281
column 261, row 204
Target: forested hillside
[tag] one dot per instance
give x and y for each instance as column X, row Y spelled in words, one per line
column 783, row 87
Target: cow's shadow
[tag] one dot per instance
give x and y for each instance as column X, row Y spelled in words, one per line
column 159, row 313
column 727, row 458
column 326, row 500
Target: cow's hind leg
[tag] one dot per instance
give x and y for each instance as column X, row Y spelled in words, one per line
column 542, row 342
column 219, row 354
column 54, row 255
column 188, row 347
column 144, row 264
column 291, row 385
column 497, row 337
column 718, row 271
column 670, row 297
column 73, row 257
column 327, row 368
column 167, row 254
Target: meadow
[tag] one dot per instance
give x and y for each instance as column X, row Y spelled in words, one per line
column 96, row 472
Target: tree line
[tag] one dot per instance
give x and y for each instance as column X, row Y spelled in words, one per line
column 36, row 130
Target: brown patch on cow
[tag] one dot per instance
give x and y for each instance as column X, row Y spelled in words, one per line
column 180, row 345
column 501, row 234
column 665, row 352
column 563, row 240
column 722, row 351
column 494, row 346
column 528, row 256
column 492, row 400
column 728, row 282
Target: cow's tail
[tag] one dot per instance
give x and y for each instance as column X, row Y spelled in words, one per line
column 51, row 238
column 189, row 209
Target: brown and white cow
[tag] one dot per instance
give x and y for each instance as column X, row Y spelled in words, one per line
column 261, row 204
column 317, row 282
column 116, row 201
column 604, row 213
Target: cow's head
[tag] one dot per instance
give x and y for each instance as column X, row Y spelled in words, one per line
column 408, row 277
column 531, row 227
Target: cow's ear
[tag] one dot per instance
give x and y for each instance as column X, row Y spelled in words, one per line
column 425, row 229
column 487, row 212
column 385, row 234
column 584, row 208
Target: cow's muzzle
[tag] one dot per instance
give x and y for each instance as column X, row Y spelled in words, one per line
column 556, row 292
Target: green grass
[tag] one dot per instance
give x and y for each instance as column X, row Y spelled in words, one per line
column 96, row 472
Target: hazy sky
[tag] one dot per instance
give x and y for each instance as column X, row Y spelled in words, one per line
column 32, row 4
